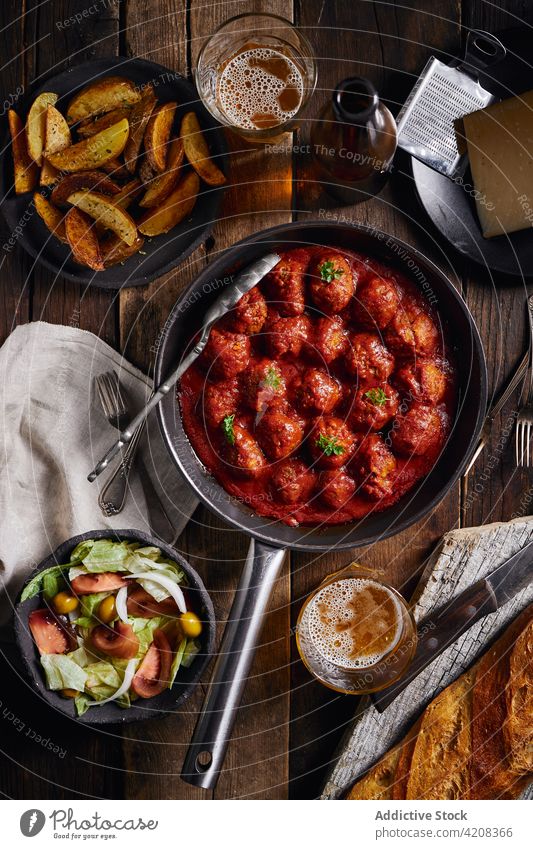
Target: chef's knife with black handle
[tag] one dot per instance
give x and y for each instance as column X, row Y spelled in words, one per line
column 445, row 626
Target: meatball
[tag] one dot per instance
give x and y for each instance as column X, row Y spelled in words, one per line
column 220, row 400
column 329, row 340
column 250, row 313
column 242, row 451
column 423, row 380
column 293, row 481
column 368, row 358
column 411, row 331
column 336, row 488
column 316, row 392
column 278, row 434
column 373, row 407
column 262, row 383
column 332, row 283
column 376, row 302
column 417, row 431
column 331, row 443
column 285, row 284
column 286, row 335
column 374, row 466
column 226, row 354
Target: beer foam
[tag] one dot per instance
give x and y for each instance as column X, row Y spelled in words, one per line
column 331, row 608
column 246, row 89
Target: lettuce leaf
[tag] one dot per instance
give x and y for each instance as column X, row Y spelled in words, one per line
column 82, row 703
column 82, row 549
column 62, row 672
column 46, row 582
column 176, row 662
column 88, row 606
column 191, row 650
column 107, row 556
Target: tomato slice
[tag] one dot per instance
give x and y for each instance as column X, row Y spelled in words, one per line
column 120, row 641
column 49, row 634
column 102, row 582
column 142, row 604
column 153, row 674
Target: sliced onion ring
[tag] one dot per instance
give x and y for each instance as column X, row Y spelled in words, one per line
column 121, row 600
column 126, row 683
column 167, row 583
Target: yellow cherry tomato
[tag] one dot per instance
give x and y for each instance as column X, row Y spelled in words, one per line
column 107, row 609
column 69, row 694
column 65, row 602
column 190, row 624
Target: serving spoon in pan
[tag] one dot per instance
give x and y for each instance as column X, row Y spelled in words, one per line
column 226, row 301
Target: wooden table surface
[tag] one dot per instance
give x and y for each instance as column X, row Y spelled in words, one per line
column 288, row 727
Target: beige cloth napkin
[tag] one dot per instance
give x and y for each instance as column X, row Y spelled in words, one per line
column 52, row 433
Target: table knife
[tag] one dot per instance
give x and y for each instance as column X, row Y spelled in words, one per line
column 442, row 628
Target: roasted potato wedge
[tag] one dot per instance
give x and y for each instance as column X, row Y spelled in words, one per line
column 24, row 168
column 89, row 180
column 114, row 250
column 177, row 206
column 146, row 172
column 197, row 151
column 57, row 137
column 161, row 186
column 90, row 128
column 82, row 239
column 140, row 115
column 106, row 213
column 36, row 125
column 93, row 152
column 128, row 193
column 51, row 216
column 157, row 135
column 102, row 96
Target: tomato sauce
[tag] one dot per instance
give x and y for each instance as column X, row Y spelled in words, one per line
column 255, row 488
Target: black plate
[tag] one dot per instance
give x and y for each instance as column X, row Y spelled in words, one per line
column 186, row 679
column 187, row 314
column 451, row 206
column 162, row 253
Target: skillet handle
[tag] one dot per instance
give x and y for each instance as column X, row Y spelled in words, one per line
column 205, row 756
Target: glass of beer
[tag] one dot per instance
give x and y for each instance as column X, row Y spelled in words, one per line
column 355, row 633
column 255, row 74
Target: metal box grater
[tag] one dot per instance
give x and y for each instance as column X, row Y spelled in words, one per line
column 443, row 94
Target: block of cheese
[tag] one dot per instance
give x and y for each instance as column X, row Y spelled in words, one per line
column 500, row 149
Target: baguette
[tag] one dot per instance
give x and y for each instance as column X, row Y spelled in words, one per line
column 475, row 739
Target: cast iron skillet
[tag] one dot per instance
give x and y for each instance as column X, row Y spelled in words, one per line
column 186, row 679
column 160, row 254
column 270, row 538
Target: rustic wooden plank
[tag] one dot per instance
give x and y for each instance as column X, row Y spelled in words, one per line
column 496, row 490
column 388, row 43
column 64, row 42
column 257, row 760
column 464, row 557
column 87, row 768
column 261, row 730
column 14, row 292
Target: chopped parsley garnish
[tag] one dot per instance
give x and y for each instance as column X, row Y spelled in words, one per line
column 272, row 378
column 377, row 396
column 227, row 427
column 330, row 445
column 328, row 272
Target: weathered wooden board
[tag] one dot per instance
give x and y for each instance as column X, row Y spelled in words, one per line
column 461, row 558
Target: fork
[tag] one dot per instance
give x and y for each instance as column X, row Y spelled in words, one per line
column 524, row 420
column 113, row 495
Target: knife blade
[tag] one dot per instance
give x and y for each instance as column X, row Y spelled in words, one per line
column 442, row 628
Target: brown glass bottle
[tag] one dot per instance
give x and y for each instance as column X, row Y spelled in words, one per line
column 353, row 142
